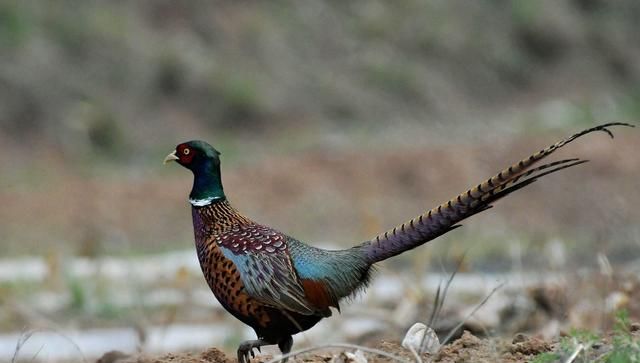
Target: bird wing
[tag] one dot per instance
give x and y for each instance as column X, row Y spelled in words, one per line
column 262, row 258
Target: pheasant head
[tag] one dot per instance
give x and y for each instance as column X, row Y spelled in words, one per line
column 204, row 161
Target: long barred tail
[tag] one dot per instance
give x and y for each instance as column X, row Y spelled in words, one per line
column 445, row 217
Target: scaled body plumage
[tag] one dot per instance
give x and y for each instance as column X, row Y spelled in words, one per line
column 280, row 286
column 250, row 267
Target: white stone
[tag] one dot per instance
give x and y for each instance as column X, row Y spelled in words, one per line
column 421, row 338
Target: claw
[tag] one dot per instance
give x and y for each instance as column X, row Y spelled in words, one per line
column 246, row 350
column 243, row 355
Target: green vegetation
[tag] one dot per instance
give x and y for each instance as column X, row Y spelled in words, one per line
column 14, row 25
column 78, row 294
column 625, row 348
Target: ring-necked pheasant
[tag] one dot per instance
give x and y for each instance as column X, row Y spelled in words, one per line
column 280, row 286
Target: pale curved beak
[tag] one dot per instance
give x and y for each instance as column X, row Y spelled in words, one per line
column 170, row 157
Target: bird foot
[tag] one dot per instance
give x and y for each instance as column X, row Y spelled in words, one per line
column 285, row 347
column 246, row 348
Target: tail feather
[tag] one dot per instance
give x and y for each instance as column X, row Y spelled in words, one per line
column 445, row 217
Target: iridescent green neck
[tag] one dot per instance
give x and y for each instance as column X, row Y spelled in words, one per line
column 207, row 183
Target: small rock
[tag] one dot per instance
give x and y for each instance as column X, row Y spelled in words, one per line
column 616, row 301
column 348, row 357
column 519, row 338
column 112, row 357
column 357, row 357
column 597, row 345
column 469, row 340
column 421, row 338
column 531, row 346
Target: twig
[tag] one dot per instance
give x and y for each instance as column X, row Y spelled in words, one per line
column 23, row 339
column 481, row 304
column 27, row 334
column 436, row 303
column 439, row 302
column 36, row 353
column 339, row 345
column 574, row 355
column 415, row 354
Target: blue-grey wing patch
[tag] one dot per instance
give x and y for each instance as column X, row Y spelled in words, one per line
column 263, row 260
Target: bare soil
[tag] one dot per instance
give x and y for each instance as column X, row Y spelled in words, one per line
column 468, row 348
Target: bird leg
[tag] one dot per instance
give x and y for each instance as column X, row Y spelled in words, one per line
column 285, row 347
column 246, row 348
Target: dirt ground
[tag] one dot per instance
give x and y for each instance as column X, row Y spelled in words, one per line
column 468, row 348
column 465, row 349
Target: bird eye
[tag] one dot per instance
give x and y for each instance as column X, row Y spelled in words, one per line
column 186, row 151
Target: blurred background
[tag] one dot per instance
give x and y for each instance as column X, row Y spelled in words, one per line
column 336, row 121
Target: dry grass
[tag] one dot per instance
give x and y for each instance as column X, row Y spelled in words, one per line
column 27, row 334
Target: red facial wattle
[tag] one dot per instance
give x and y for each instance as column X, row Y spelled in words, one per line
column 185, row 154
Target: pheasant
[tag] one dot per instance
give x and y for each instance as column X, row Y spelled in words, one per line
column 280, row 286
